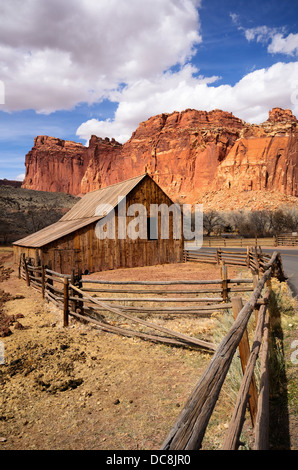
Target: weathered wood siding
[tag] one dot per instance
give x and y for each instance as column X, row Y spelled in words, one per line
column 83, row 250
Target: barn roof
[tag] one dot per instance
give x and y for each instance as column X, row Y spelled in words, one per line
column 82, row 213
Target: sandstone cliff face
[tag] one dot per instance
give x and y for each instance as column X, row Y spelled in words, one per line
column 187, row 153
column 55, row 165
column 265, row 157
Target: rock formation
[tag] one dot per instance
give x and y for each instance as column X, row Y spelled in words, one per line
column 188, row 153
column 55, row 165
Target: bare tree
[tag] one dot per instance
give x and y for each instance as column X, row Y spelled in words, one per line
column 212, row 222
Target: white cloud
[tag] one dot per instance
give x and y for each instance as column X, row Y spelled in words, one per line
column 2, row 92
column 250, row 98
column 287, row 45
column 54, row 55
column 259, row 33
column 278, row 42
column 20, row 177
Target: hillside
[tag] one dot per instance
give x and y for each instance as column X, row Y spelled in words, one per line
column 24, row 211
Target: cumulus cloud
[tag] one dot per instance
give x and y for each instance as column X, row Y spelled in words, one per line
column 166, row 92
column 284, row 45
column 278, row 43
column 250, row 98
column 54, row 55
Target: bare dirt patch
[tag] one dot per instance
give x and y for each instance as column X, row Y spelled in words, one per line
column 81, row 388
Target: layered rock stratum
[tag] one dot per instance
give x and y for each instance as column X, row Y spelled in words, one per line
column 191, row 154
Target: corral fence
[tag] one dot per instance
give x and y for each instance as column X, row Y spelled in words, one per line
column 288, row 240
column 101, row 302
column 253, row 257
column 240, row 242
column 87, row 300
column 189, row 430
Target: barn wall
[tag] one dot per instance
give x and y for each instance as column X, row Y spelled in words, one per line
column 33, row 253
column 83, row 250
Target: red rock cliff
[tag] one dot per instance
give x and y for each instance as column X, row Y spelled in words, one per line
column 188, row 153
column 55, row 165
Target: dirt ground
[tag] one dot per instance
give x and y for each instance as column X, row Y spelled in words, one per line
column 79, row 388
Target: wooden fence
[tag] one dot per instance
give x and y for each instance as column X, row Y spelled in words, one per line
column 88, row 299
column 73, row 295
column 240, row 242
column 253, row 257
column 190, row 427
column 287, row 240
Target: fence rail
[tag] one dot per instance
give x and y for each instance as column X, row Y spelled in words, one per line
column 189, row 430
column 241, row 242
column 73, row 294
column 253, row 257
column 287, row 240
column 238, row 242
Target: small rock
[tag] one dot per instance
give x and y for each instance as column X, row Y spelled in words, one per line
column 116, row 402
column 19, row 326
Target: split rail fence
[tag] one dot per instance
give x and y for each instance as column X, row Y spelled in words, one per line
column 253, row 257
column 238, row 242
column 189, row 430
column 100, row 301
column 287, row 240
column 241, row 242
column 87, row 300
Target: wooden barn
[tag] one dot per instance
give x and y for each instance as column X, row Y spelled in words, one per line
column 73, row 241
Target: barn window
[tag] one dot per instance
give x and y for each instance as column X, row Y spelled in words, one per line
column 152, row 228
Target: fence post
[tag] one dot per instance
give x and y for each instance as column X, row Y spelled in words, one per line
column 247, row 256
column 244, row 351
column 255, row 280
column 257, row 259
column 224, row 276
column 66, row 307
column 26, row 270
column 80, row 285
column 218, row 255
column 73, row 303
column 20, row 267
column 43, row 276
column 262, row 421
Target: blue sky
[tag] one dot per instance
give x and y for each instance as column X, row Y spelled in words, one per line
column 80, row 67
